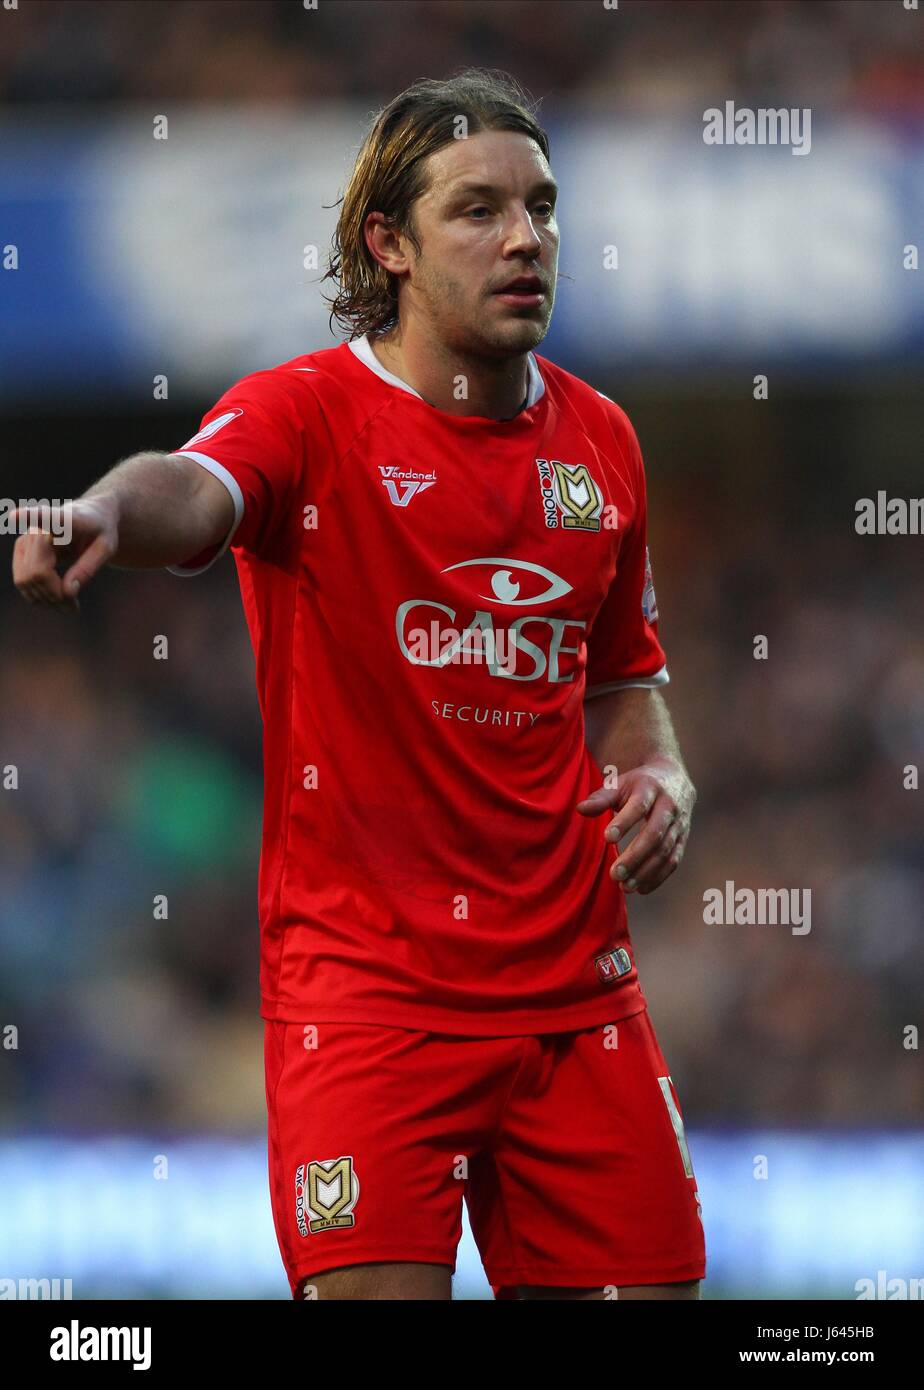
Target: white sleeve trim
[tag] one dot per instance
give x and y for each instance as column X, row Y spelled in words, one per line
column 644, row 682
column 218, row 471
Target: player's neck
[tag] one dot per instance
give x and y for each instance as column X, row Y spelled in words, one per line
column 455, row 383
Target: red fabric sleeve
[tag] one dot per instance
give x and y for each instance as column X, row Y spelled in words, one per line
column 253, row 440
column 623, row 646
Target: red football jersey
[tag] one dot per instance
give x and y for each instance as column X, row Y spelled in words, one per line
column 430, row 598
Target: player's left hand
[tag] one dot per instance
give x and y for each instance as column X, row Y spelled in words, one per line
column 659, row 798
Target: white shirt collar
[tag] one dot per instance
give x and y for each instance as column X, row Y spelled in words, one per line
column 362, row 348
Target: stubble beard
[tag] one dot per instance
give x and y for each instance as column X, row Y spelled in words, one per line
column 466, row 330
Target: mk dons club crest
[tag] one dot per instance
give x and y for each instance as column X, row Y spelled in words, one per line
column 326, row 1191
column 569, row 490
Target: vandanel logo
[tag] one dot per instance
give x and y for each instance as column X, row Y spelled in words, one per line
column 410, row 481
column 569, row 489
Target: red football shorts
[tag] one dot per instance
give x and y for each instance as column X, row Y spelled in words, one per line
column 568, row 1147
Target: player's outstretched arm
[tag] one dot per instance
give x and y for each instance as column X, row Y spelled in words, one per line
column 149, row 511
column 631, row 729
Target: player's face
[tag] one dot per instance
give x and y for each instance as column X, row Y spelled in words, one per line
column 486, row 219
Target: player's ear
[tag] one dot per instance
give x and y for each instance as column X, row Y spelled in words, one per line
column 385, row 243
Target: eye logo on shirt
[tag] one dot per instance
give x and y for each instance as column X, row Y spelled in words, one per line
column 477, row 638
column 569, row 489
column 504, row 588
column 213, row 427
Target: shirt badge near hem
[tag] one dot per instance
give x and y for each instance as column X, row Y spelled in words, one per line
column 613, row 964
column 649, row 602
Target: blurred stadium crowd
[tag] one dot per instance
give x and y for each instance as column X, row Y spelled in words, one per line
column 673, row 56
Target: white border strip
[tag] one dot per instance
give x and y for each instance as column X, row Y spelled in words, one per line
column 218, row 471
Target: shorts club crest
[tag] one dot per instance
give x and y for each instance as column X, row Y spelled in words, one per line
column 329, row 1189
column 578, row 1169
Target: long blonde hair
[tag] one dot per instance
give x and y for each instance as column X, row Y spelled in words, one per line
column 389, row 176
